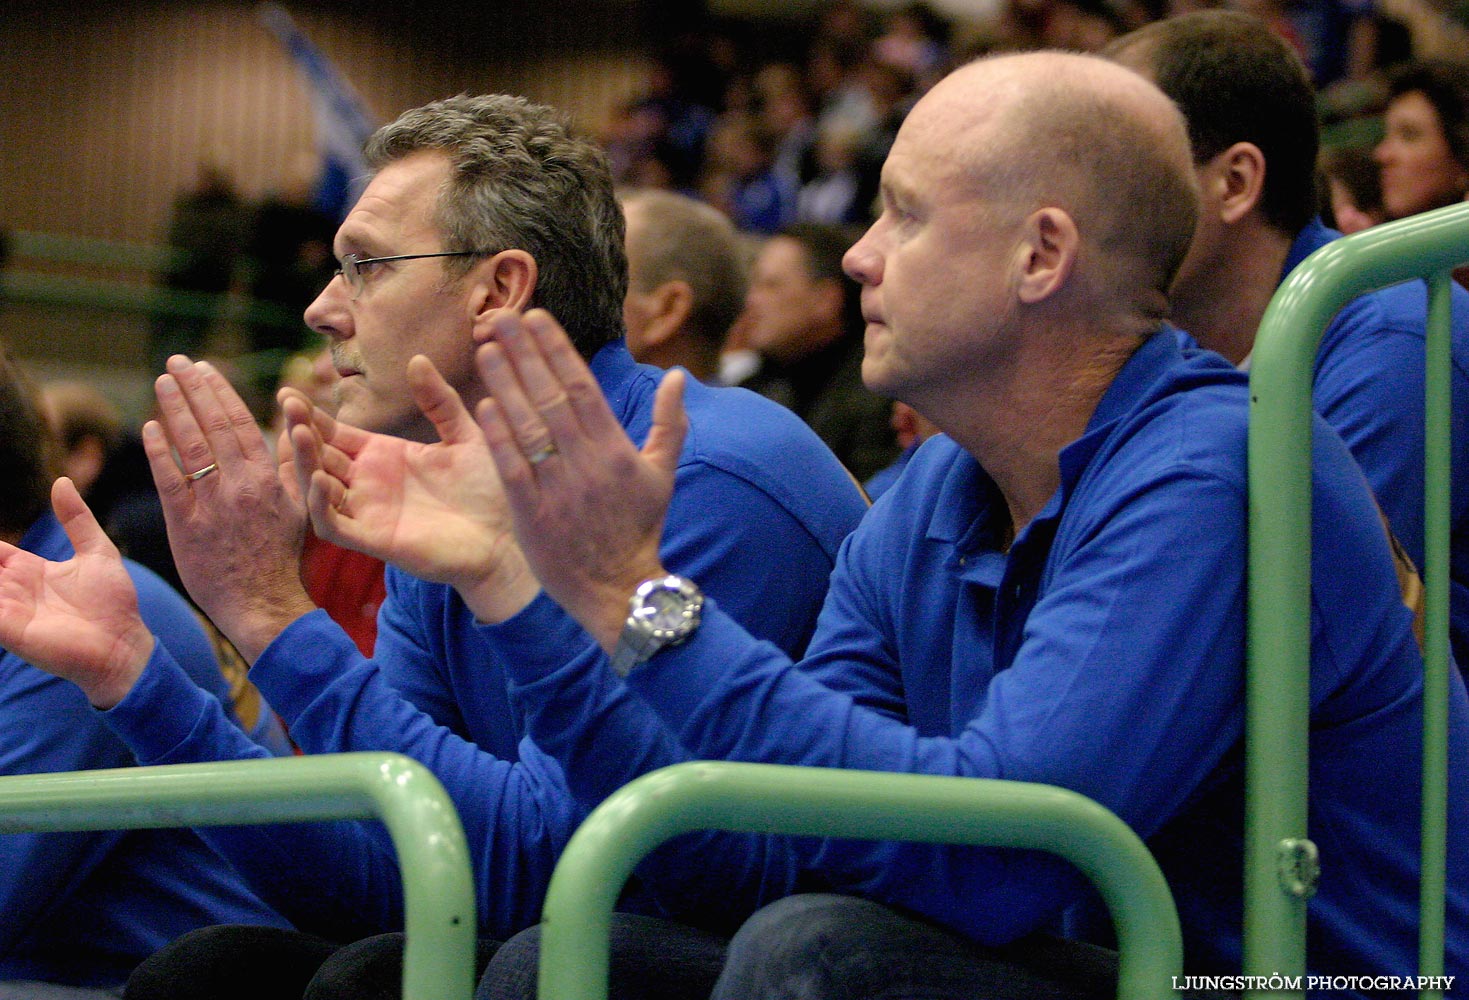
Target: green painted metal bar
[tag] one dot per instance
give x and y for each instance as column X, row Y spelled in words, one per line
column 1279, row 858
column 1438, row 454
column 438, row 893
column 66, row 248
column 767, row 798
column 121, row 296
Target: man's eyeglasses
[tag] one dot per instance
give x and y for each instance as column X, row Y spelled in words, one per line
column 352, row 265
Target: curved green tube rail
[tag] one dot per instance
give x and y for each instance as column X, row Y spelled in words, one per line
column 768, row 798
column 439, row 905
column 1278, row 871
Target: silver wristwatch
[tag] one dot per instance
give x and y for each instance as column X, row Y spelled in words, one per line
column 664, row 611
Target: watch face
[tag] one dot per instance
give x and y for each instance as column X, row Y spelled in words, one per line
column 668, row 608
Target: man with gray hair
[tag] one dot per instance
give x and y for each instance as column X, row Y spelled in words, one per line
column 686, row 281
column 476, row 205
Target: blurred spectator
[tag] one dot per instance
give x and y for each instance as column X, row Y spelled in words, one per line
column 783, row 107
column 89, row 427
column 912, row 429
column 207, row 232
column 1353, row 195
column 106, row 461
column 832, row 195
column 1425, row 153
column 676, row 115
column 686, row 281
column 741, row 179
column 1337, row 39
column 291, row 254
column 916, row 40
column 805, row 319
column 833, row 73
column 1074, row 25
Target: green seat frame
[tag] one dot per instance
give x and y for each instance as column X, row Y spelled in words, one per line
column 1281, row 863
column 439, row 909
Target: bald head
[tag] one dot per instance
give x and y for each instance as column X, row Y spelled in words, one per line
column 1078, row 133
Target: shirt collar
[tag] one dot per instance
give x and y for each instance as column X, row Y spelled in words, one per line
column 968, row 499
column 615, row 371
column 1307, row 241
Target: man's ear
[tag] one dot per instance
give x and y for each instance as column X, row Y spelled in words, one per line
column 505, row 281
column 1046, row 254
column 1239, row 173
column 668, row 307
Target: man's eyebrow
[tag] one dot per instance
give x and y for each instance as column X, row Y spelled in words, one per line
column 895, row 192
column 353, row 241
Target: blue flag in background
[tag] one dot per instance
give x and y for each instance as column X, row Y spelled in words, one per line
column 343, row 122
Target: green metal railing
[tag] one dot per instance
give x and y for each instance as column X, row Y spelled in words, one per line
column 89, row 291
column 1280, row 863
column 439, row 908
column 767, row 798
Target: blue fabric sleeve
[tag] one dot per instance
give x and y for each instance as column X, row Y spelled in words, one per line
column 575, row 711
column 167, row 719
column 744, row 546
column 412, row 661
column 517, row 817
column 49, row 727
column 1062, row 713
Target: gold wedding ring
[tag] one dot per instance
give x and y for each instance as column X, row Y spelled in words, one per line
column 541, row 454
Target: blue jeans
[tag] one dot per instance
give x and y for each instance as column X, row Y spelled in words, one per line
column 826, row 947
column 239, row 962
column 18, row 989
column 650, row 960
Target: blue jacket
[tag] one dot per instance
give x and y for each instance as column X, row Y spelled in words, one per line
column 1104, row 653
column 1369, row 385
column 760, row 509
column 85, row 908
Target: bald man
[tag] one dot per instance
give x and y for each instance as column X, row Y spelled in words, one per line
column 1033, row 600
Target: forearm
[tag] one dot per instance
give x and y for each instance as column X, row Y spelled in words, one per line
column 516, row 816
column 603, row 736
column 255, row 624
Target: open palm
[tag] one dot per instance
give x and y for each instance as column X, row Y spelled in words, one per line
column 436, row 511
column 77, row 619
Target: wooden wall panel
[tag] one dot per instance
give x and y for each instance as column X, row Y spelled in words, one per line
column 106, row 109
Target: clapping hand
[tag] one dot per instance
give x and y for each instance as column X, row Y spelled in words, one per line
column 434, row 510
column 588, row 505
column 77, row 619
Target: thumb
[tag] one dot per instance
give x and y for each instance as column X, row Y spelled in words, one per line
column 76, row 518
column 439, row 402
column 665, row 440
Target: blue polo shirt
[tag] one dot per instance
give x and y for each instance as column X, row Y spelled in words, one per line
column 1102, row 652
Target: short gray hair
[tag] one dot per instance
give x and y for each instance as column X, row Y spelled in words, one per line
column 520, row 178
